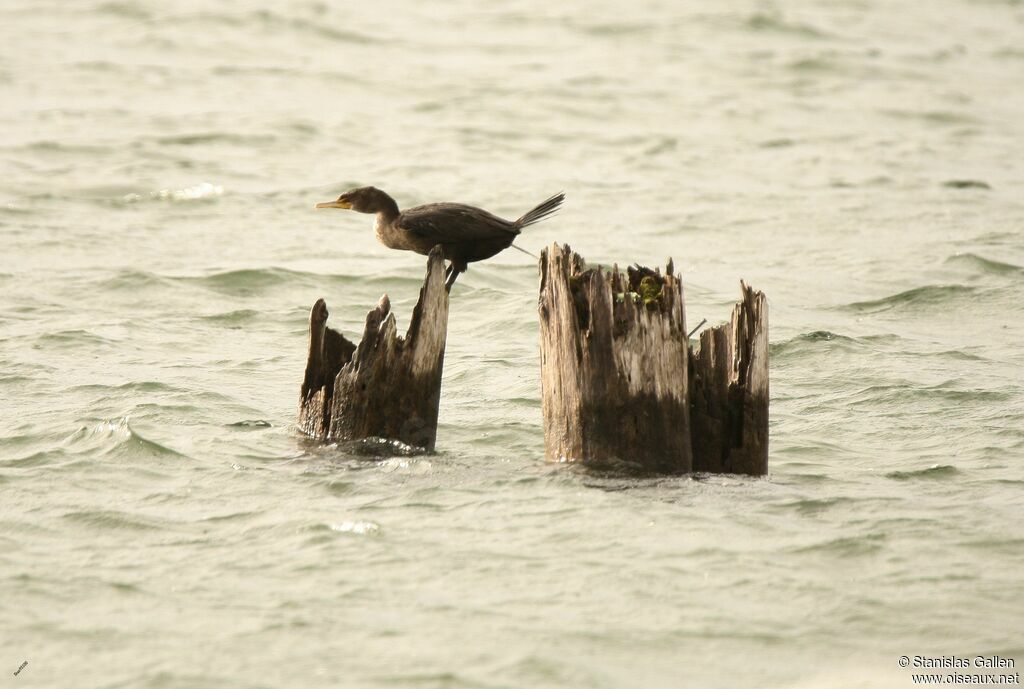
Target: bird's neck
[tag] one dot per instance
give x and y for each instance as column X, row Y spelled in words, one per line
column 387, row 214
column 387, row 209
column 388, row 217
column 387, row 234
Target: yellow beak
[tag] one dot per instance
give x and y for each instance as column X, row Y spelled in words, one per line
column 333, row 204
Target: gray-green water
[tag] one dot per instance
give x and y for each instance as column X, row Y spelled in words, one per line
column 162, row 525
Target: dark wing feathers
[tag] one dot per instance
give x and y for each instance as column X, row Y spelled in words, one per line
column 451, row 223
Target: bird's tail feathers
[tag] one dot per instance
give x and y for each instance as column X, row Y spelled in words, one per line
column 541, row 211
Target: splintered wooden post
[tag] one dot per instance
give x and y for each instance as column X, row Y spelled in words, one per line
column 328, row 352
column 386, row 386
column 729, row 392
column 614, row 370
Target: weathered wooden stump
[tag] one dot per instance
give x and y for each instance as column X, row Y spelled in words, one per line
column 729, row 392
column 620, row 388
column 614, row 371
column 385, row 387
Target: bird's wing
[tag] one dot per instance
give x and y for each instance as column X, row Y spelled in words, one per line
column 451, row 223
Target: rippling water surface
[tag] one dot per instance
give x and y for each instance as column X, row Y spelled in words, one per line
column 163, row 525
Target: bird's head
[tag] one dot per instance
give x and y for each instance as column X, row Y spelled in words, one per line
column 362, row 200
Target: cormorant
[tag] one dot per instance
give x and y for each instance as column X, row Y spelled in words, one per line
column 466, row 233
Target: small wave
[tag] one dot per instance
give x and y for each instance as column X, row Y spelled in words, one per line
column 130, row 10
column 1009, row 53
column 937, row 471
column 813, row 64
column 124, row 587
column 244, row 281
column 235, row 70
column 231, row 516
column 661, row 144
column 14, row 379
column 851, row 546
column 811, row 340
column 35, row 459
column 614, row 29
column 116, row 438
column 206, row 138
column 998, row 240
column 50, row 146
column 237, row 317
column 355, row 527
column 813, row 506
column 929, row 295
column 107, row 66
column 113, row 519
column 340, row 487
column 906, row 391
column 823, row 336
column 204, row 191
column 332, row 33
column 276, row 22
column 810, row 448
column 30, row 528
column 762, row 22
column 966, row 184
column 942, row 117
column 131, row 386
column 984, row 265
column 11, row 209
column 250, row 424
column 1008, row 545
column 824, row 340
column 302, row 127
column 132, row 280
column 73, row 338
column 954, row 354
column 777, row 143
column 381, row 448
column 272, row 21
column 807, row 478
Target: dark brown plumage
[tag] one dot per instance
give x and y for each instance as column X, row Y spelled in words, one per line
column 466, row 233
